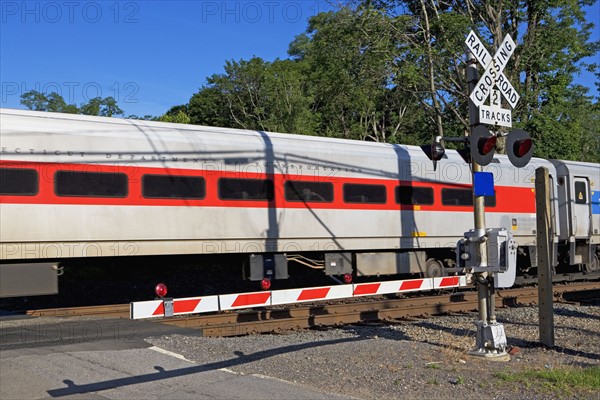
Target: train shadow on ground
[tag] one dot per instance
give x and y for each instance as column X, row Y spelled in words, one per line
column 161, row 374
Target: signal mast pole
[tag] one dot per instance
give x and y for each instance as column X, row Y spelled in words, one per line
column 478, row 201
column 489, row 254
column 485, row 296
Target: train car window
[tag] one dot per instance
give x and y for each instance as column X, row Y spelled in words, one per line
column 245, row 189
column 19, row 181
column 463, row 197
column 356, row 193
column 410, row 195
column 309, row 191
column 90, row 184
column 580, row 194
column 173, row 187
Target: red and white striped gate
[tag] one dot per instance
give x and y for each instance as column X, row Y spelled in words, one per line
column 197, row 305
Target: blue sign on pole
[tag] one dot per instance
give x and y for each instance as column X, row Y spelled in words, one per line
column 483, row 184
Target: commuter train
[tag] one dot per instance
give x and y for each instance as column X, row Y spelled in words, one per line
column 74, row 187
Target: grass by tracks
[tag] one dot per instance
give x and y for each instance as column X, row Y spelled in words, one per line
column 565, row 379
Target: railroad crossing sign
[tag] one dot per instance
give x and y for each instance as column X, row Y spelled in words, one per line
column 493, row 78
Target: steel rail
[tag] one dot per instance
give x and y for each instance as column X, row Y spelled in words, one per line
column 304, row 316
column 316, row 315
column 108, row 311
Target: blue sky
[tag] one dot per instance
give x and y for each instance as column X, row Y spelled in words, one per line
column 149, row 55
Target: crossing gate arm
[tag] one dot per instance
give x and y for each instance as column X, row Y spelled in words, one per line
column 198, row 305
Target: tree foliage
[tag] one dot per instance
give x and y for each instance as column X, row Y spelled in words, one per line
column 394, row 71
column 254, row 94
column 54, row 102
column 105, row 107
column 176, row 114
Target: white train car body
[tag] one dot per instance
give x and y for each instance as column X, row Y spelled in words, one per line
column 78, row 186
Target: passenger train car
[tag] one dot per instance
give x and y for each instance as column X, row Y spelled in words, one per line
column 75, row 187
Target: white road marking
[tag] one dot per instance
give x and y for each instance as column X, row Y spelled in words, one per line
column 170, row 353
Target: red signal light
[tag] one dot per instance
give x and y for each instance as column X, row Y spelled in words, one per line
column 482, row 144
column 160, row 290
column 485, row 145
column 265, row 284
column 519, row 147
column 522, row 147
column 347, row 278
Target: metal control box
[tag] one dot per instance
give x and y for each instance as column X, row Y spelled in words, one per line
column 28, row 279
column 272, row 266
column 500, row 257
column 338, row 263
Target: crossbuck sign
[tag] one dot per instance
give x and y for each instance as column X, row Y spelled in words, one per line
column 493, row 78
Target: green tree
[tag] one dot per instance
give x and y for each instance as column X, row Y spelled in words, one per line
column 255, row 94
column 105, row 107
column 34, row 100
column 351, row 62
column 110, row 107
column 177, row 114
column 552, row 40
column 92, row 107
column 209, row 107
column 146, row 117
column 56, row 103
column 53, row 102
column 394, row 71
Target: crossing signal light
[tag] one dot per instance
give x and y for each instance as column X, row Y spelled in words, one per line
column 160, row 290
column 519, row 147
column 435, row 151
column 482, row 144
column 485, row 145
column 265, row 284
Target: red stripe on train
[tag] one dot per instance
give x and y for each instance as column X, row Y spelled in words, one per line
column 510, row 199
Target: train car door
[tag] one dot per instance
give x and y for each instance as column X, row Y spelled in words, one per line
column 581, row 207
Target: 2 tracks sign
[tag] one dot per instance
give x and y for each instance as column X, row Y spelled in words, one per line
column 493, row 83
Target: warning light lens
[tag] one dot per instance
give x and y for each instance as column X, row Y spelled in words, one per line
column 522, row 147
column 265, row 284
column 347, row 278
column 160, row 290
column 486, row 145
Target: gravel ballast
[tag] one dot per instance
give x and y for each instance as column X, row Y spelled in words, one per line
column 420, row 359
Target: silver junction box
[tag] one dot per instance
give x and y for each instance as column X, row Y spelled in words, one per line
column 501, row 255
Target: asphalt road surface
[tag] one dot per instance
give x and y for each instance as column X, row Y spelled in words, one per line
column 109, row 359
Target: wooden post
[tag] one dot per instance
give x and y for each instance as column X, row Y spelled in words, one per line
column 544, row 246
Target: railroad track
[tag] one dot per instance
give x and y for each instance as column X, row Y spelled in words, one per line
column 303, row 317
column 108, row 311
column 332, row 314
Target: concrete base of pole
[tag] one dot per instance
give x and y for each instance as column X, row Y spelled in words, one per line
column 500, row 357
column 491, row 342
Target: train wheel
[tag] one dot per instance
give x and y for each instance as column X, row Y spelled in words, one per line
column 593, row 266
column 434, row 268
